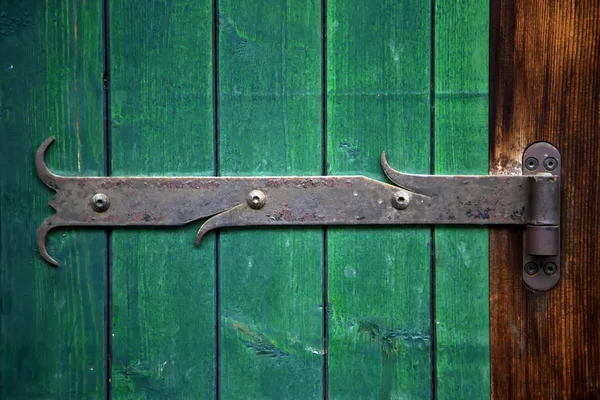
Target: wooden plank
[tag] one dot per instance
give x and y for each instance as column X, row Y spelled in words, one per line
column 461, row 147
column 546, row 86
column 378, row 85
column 52, row 325
column 163, row 310
column 270, row 285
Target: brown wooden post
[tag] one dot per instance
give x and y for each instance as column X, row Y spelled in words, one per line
column 545, row 85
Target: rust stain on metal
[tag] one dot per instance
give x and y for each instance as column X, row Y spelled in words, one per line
column 311, row 217
column 186, row 183
column 139, row 217
column 114, row 183
column 287, row 214
column 482, row 213
column 112, row 219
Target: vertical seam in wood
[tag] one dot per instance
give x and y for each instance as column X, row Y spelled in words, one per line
column 217, row 172
column 494, row 28
column 325, row 300
column 492, row 87
column 432, row 265
column 491, row 121
column 108, row 172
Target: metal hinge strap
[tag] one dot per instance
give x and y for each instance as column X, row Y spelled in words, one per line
column 532, row 199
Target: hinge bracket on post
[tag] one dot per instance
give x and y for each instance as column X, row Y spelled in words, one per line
column 531, row 200
column 541, row 241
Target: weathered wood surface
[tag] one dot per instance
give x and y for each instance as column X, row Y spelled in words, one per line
column 52, row 320
column 162, row 334
column 545, row 85
column 270, row 280
column 378, row 98
column 461, row 147
column 252, row 326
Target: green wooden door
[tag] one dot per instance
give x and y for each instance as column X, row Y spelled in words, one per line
column 239, row 88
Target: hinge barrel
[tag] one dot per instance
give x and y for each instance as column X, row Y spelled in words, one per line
column 544, row 200
column 542, row 240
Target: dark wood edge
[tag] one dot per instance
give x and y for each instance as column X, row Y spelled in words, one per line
column 545, row 85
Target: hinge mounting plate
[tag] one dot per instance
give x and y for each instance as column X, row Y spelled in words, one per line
column 541, row 243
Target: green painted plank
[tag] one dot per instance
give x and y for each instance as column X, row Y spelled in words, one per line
column 461, row 147
column 378, row 85
column 163, row 343
column 270, row 280
column 52, row 320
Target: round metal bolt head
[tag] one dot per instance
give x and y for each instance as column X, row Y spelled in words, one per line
column 531, row 163
column 256, row 199
column 401, row 200
column 100, row 202
column 531, row 268
column 550, row 268
column 550, row 163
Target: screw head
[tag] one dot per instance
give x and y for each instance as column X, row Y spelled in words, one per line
column 401, row 199
column 531, row 163
column 100, row 202
column 550, row 163
column 550, row 268
column 531, row 268
column 256, row 199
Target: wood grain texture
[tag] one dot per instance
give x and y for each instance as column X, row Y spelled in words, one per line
column 270, row 280
column 461, row 147
column 378, row 85
column 52, row 320
column 546, row 86
column 163, row 288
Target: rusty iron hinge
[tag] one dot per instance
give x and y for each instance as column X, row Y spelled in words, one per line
column 531, row 200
